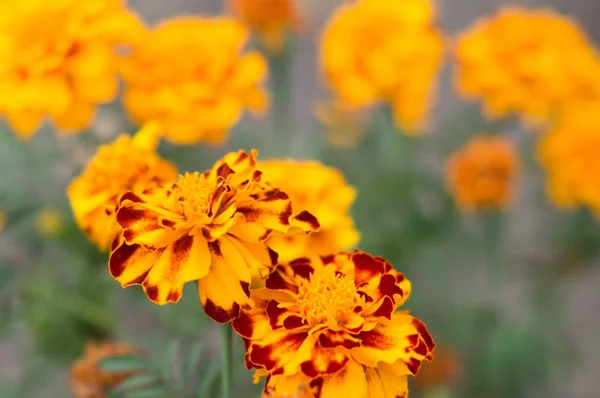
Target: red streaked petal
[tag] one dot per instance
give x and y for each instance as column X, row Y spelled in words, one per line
column 279, row 352
column 330, row 339
column 383, row 308
column 130, row 264
column 253, row 322
column 323, row 361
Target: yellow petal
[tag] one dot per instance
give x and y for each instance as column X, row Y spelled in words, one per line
column 382, row 384
column 349, row 382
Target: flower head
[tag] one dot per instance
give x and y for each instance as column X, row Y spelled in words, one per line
column 570, row 155
column 212, row 227
column 381, row 50
column 58, row 59
column 324, row 192
column 529, row 62
column 329, row 323
column 269, row 18
column 482, row 173
column 87, row 380
column 200, row 96
column 129, row 163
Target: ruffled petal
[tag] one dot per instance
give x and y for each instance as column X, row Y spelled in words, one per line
column 324, row 361
column 383, row 384
column 405, row 338
column 281, row 315
column 282, row 351
column 185, row 260
column 348, row 382
column 130, row 264
column 258, row 257
column 289, row 277
column 253, row 322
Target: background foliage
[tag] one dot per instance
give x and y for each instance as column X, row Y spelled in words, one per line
column 490, row 286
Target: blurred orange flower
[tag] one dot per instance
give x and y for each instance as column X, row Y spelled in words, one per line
column 321, row 190
column 331, row 324
column 128, row 163
column 209, row 227
column 269, row 18
column 198, row 97
column 383, row 50
column 482, row 173
column 59, row 61
column 443, row 370
column 87, row 380
column 570, row 153
column 528, row 62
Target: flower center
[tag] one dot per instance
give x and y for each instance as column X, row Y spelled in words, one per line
column 194, row 193
column 327, row 297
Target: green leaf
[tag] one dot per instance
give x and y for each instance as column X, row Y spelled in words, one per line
column 210, row 377
column 137, row 382
column 125, row 363
column 190, row 364
column 170, row 359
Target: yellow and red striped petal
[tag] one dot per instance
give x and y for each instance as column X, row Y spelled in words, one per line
column 331, row 339
column 253, row 322
column 281, row 315
column 282, row 351
column 324, row 361
column 185, row 260
column 130, row 264
column 348, row 382
column 288, row 277
column 226, row 288
column 405, row 338
column 383, row 384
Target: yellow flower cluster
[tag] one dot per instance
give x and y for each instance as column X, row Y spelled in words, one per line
column 269, row 18
column 528, row 62
column 190, row 75
column 59, row 60
column 382, row 50
column 570, row 153
column 481, row 175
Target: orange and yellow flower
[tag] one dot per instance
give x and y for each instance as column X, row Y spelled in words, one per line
column 382, row 50
column 59, row 60
column 89, row 381
column 271, row 19
column 482, row 174
column 212, row 227
column 329, row 323
column 570, row 153
column 526, row 61
column 129, row 163
column 321, row 190
column 198, row 97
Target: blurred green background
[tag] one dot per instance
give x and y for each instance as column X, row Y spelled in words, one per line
column 514, row 296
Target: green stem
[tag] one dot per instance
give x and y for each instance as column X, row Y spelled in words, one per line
column 226, row 360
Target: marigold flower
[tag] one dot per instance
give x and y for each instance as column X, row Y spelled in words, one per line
column 87, row 380
column 482, row 173
column 526, row 61
column 59, row 60
column 200, row 96
column 211, row 227
column 329, row 323
column 321, row 190
column 269, row 18
column 128, row 163
column 570, row 155
column 382, row 50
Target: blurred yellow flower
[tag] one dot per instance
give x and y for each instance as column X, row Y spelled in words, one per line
column 384, row 50
column 2, row 220
column 570, row 153
column 58, row 60
column 128, row 163
column 211, row 227
column 269, row 18
column 343, row 126
column 87, row 380
column 190, row 75
column 528, row 62
column 321, row 190
column 482, row 174
column 49, row 221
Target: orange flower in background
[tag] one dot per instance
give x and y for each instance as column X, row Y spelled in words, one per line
column 129, row 163
column 343, row 125
column 198, row 97
column 271, row 19
column 322, row 191
column 482, row 173
column 87, row 380
column 384, row 50
column 211, row 227
column 443, row 370
column 59, row 61
column 570, row 153
column 528, row 62
column 329, row 324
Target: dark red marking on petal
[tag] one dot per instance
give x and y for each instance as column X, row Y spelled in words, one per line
column 243, row 325
column 168, row 223
column 245, row 288
column 276, row 281
column 152, row 292
column 386, row 308
column 119, row 257
column 256, row 175
column 421, row 348
column 266, row 235
column 274, row 195
column 303, row 270
column 251, row 214
column 422, row 329
column 224, row 170
column 376, row 339
column 274, row 312
column 173, row 296
column 308, row 218
column 310, row 368
column 328, row 259
column 284, row 217
column 331, row 339
column 130, row 196
column 206, row 234
column 413, row 339
column 219, row 314
column 264, row 355
column 273, row 256
column 182, row 247
column 364, row 294
column 388, row 286
column 293, row 322
column 316, row 386
column 115, row 243
column 242, row 155
column 413, row 365
column 215, row 248
column 366, row 267
column 139, row 280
